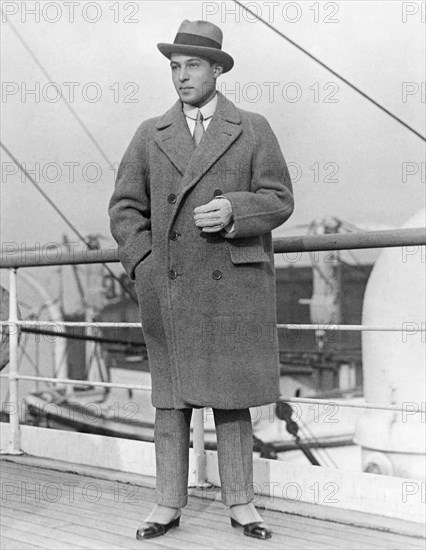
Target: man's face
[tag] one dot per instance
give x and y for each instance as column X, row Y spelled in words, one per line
column 194, row 78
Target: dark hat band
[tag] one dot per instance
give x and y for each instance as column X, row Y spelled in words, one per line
column 186, row 39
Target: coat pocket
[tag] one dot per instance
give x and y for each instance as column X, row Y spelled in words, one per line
column 248, row 250
column 143, row 263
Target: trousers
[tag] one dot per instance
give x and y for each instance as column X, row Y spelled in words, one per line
column 234, row 450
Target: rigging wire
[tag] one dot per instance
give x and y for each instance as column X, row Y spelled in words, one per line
column 333, row 72
column 65, row 100
column 306, row 434
column 24, row 305
column 321, row 450
column 43, row 194
column 65, row 219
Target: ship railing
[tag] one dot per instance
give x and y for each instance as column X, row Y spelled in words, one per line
column 12, row 258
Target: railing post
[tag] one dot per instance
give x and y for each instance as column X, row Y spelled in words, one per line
column 198, row 446
column 14, row 444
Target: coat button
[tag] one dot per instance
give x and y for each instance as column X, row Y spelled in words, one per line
column 172, row 198
column 217, row 192
column 217, row 274
column 173, row 236
column 172, row 274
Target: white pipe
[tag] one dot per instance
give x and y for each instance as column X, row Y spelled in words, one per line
column 198, row 446
column 406, row 408
column 403, row 327
column 14, row 444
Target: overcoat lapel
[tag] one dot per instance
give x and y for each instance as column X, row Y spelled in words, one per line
column 174, row 138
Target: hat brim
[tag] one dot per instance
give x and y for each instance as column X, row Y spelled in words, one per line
column 210, row 53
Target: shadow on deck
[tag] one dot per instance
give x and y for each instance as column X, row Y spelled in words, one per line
column 51, row 509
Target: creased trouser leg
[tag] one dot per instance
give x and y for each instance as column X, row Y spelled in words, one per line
column 171, row 437
column 235, row 455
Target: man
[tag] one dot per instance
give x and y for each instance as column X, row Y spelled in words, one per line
column 197, row 194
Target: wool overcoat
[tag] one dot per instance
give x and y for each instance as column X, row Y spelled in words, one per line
column 207, row 300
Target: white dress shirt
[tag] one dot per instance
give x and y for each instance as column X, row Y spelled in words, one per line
column 207, row 111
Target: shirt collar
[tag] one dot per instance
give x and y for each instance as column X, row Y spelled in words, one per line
column 207, row 110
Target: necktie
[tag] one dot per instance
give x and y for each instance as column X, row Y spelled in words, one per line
column 199, row 128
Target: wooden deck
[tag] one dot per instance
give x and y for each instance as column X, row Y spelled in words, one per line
column 50, row 509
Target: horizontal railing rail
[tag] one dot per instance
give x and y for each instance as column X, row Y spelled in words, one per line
column 408, row 407
column 404, row 327
column 14, row 257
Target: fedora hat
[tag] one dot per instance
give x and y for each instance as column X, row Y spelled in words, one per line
column 199, row 38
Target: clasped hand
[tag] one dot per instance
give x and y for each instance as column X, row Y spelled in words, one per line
column 213, row 216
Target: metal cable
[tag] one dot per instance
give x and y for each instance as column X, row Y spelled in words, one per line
column 50, row 79
column 65, row 219
column 333, row 72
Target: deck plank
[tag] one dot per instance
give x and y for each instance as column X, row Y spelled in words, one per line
column 110, row 521
column 10, row 544
column 59, row 532
column 23, row 533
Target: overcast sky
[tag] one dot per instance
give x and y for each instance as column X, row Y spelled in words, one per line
column 347, row 157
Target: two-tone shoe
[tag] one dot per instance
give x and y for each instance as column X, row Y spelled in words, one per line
column 256, row 529
column 151, row 529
